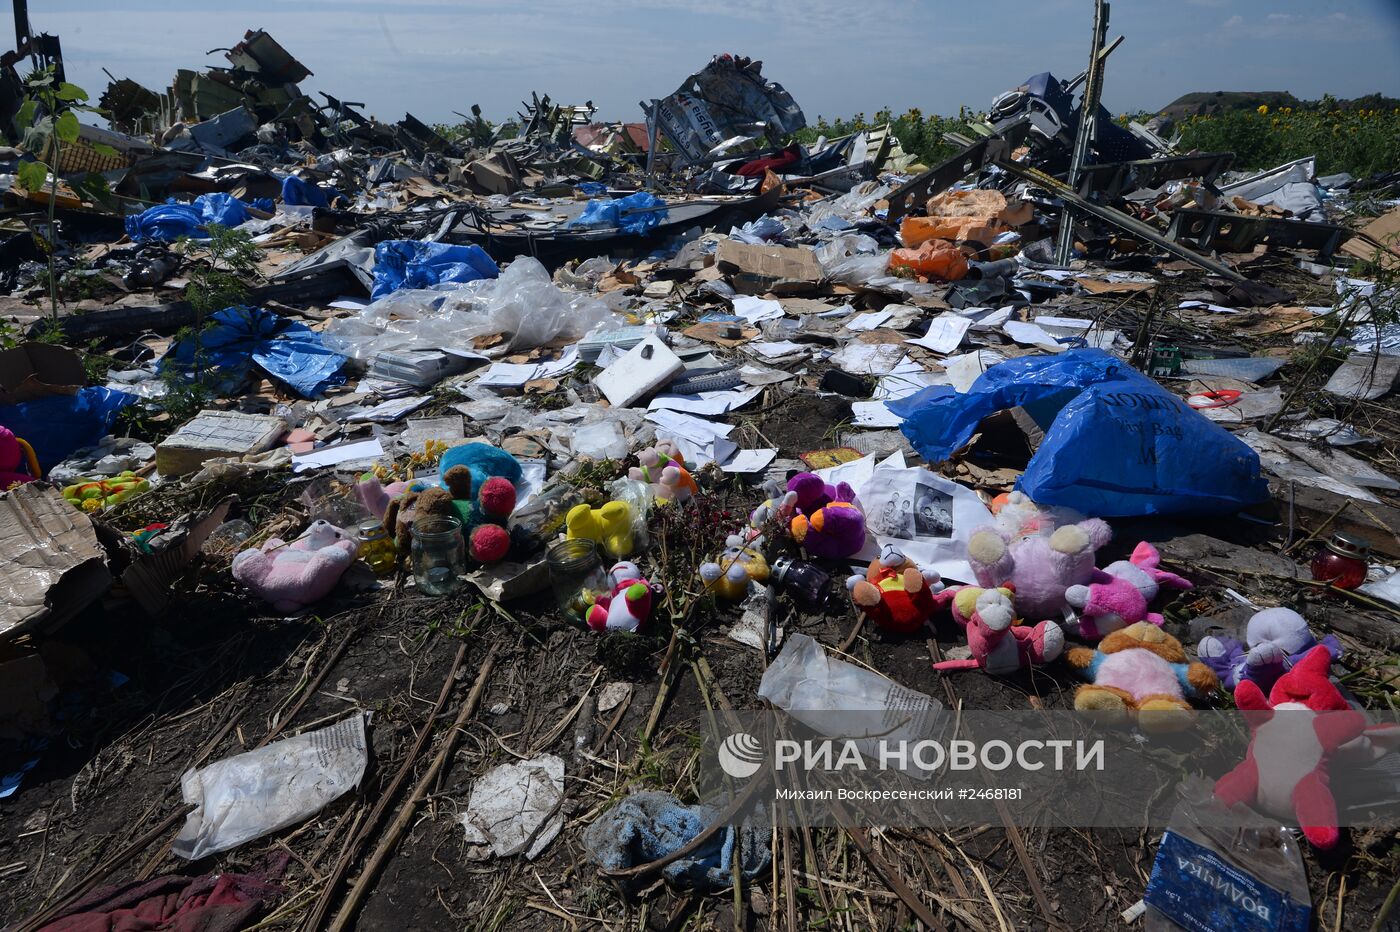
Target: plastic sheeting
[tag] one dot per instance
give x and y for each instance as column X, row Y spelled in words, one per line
column 1116, row 444
column 241, row 338
column 300, row 192
column 172, row 220
column 636, row 214
column 523, row 304
column 407, row 263
column 56, row 425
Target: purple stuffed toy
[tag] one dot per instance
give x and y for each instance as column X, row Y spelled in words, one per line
column 827, row 523
column 292, row 575
column 1278, row 638
column 1040, row 567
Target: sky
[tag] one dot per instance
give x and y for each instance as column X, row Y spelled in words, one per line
column 836, row 57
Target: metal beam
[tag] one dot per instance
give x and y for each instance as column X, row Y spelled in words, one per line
column 1085, row 131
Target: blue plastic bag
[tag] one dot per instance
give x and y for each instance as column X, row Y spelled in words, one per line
column 56, row 425
column 172, row 220
column 408, row 263
column 1117, row 444
column 300, row 192
column 241, row 338
column 621, row 213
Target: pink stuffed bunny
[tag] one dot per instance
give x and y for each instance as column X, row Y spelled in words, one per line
column 998, row 646
column 293, row 575
column 1039, row 567
column 1119, row 594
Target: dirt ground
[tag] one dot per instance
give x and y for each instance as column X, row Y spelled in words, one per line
column 215, row 676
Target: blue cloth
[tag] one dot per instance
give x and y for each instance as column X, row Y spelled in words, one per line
column 1116, row 444
column 409, row 263
column 647, row 826
column 300, row 192
column 56, row 425
column 172, row 220
column 604, row 213
column 240, row 338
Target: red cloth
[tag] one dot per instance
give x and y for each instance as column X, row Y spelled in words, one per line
column 172, row 903
column 756, row 168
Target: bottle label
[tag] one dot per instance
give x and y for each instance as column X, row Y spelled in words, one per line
column 1199, row 890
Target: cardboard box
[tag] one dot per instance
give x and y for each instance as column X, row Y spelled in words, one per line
column 214, row 434
column 33, row 370
column 769, row 269
column 53, row 566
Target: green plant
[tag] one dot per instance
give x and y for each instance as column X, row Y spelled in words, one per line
column 49, row 115
column 224, row 262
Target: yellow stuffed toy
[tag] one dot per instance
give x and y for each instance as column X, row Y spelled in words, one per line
column 610, row 527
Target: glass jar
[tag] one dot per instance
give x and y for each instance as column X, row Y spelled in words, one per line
column 576, row 575
column 804, row 581
column 1342, row 561
column 376, row 546
column 439, row 554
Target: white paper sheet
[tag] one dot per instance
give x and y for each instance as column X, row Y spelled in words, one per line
column 859, row 358
column 749, row 461
column 334, row 456
column 777, row 349
column 868, row 321
column 1031, row 335
column 756, row 310
column 710, row 404
column 874, row 414
column 390, row 411
column 945, row 333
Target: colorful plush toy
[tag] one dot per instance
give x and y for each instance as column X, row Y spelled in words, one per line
column 483, row 461
column 663, row 469
column 1285, row 770
column 1039, row 566
column 737, row 566
column 827, row 522
column 483, row 520
column 1143, row 669
column 18, row 464
column 96, row 494
column 627, row 607
column 610, row 527
column 1277, row 639
column 779, row 507
column 1119, row 594
column 293, row 575
column 895, row 593
column 999, row 646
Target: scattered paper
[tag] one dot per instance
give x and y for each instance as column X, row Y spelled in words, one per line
column 868, row 321
column 945, row 333
column 963, row 371
column 389, row 411
column 710, row 404
column 515, row 375
column 1031, row 335
column 748, row 461
column 906, row 379
column 859, row 358
column 516, row 808
column 874, row 414
column 756, row 310
column 779, row 349
column 360, row 450
column 1205, row 305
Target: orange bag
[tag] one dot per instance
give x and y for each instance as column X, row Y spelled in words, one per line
column 936, row 258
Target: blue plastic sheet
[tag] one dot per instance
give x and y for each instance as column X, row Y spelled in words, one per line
column 1116, row 444
column 300, row 192
column 241, row 338
column 408, row 263
column 622, row 213
column 591, row 188
column 172, row 220
column 56, row 425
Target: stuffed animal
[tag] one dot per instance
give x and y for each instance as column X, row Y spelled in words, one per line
column 483, row 461
column 1040, row 567
column 663, row 469
column 895, row 593
column 999, row 645
column 627, row 606
column 18, row 464
column 737, row 566
column 1118, row 595
column 293, row 575
column 779, row 507
column 827, row 522
column 610, row 527
column 104, row 491
column 1285, row 770
column 483, row 520
column 1144, row 669
column 1277, row 638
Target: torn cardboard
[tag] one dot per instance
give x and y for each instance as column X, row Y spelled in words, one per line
column 778, row 270
column 34, row 370
column 54, row 566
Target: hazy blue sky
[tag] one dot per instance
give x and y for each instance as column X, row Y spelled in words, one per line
column 835, row 56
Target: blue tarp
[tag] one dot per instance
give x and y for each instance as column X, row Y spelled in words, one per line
column 239, row 338
column 172, row 220
column 408, row 263
column 1117, row 443
column 56, row 425
column 603, row 213
column 300, row 192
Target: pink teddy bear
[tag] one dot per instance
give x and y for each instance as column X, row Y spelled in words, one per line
column 1040, row 567
column 1118, row 595
column 293, row 575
